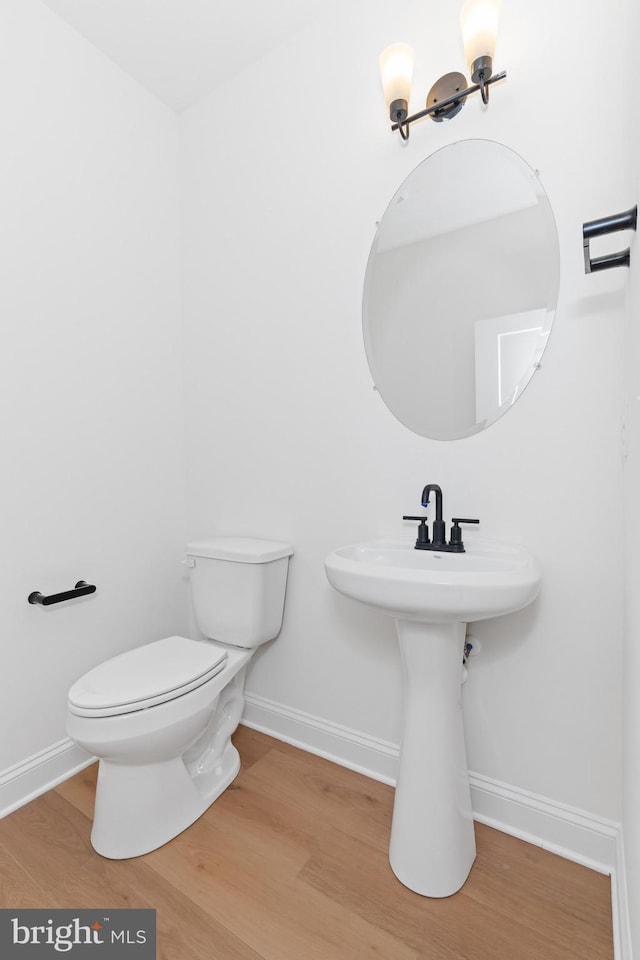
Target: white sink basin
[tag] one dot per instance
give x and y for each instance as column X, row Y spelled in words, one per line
column 488, row 580
column 432, row 597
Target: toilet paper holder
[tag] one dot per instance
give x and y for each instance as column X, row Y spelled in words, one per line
column 81, row 589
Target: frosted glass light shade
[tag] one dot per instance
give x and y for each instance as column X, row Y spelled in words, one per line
column 479, row 24
column 396, row 72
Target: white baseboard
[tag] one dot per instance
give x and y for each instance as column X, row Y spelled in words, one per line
column 571, row 833
column 559, row 828
column 622, row 943
column 349, row 748
column 37, row 774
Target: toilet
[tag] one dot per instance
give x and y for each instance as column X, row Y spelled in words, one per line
column 160, row 717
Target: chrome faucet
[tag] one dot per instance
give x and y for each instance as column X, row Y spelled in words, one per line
column 439, row 541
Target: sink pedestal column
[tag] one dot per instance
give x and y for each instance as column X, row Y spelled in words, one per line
column 432, row 839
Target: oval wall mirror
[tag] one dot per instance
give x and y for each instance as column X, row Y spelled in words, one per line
column 460, row 289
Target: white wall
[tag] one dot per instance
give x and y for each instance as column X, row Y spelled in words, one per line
column 286, row 437
column 90, row 368
column 631, row 764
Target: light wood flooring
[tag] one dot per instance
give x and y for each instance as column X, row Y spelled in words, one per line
column 290, row 863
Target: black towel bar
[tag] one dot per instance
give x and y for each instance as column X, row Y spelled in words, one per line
column 81, row 589
column 598, row 228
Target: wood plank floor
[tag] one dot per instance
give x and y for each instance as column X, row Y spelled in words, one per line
column 290, row 863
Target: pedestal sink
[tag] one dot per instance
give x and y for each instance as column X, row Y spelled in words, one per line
column 432, row 597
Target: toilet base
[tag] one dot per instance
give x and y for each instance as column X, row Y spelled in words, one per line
column 141, row 807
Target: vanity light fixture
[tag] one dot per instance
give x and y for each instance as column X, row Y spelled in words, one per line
column 479, row 23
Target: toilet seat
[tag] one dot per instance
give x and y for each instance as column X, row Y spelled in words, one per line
column 149, row 675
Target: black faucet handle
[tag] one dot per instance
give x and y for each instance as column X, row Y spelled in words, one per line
column 455, row 542
column 423, row 530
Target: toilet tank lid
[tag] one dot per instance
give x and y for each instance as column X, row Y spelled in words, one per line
column 239, row 549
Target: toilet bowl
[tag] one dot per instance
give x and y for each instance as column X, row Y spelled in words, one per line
column 160, row 717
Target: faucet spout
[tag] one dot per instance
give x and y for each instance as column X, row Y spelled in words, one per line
column 439, row 536
column 433, row 488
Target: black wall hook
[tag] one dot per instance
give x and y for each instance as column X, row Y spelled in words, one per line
column 598, row 228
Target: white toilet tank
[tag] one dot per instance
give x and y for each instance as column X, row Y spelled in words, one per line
column 238, row 586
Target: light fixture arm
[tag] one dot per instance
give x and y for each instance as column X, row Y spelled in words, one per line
column 403, row 125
